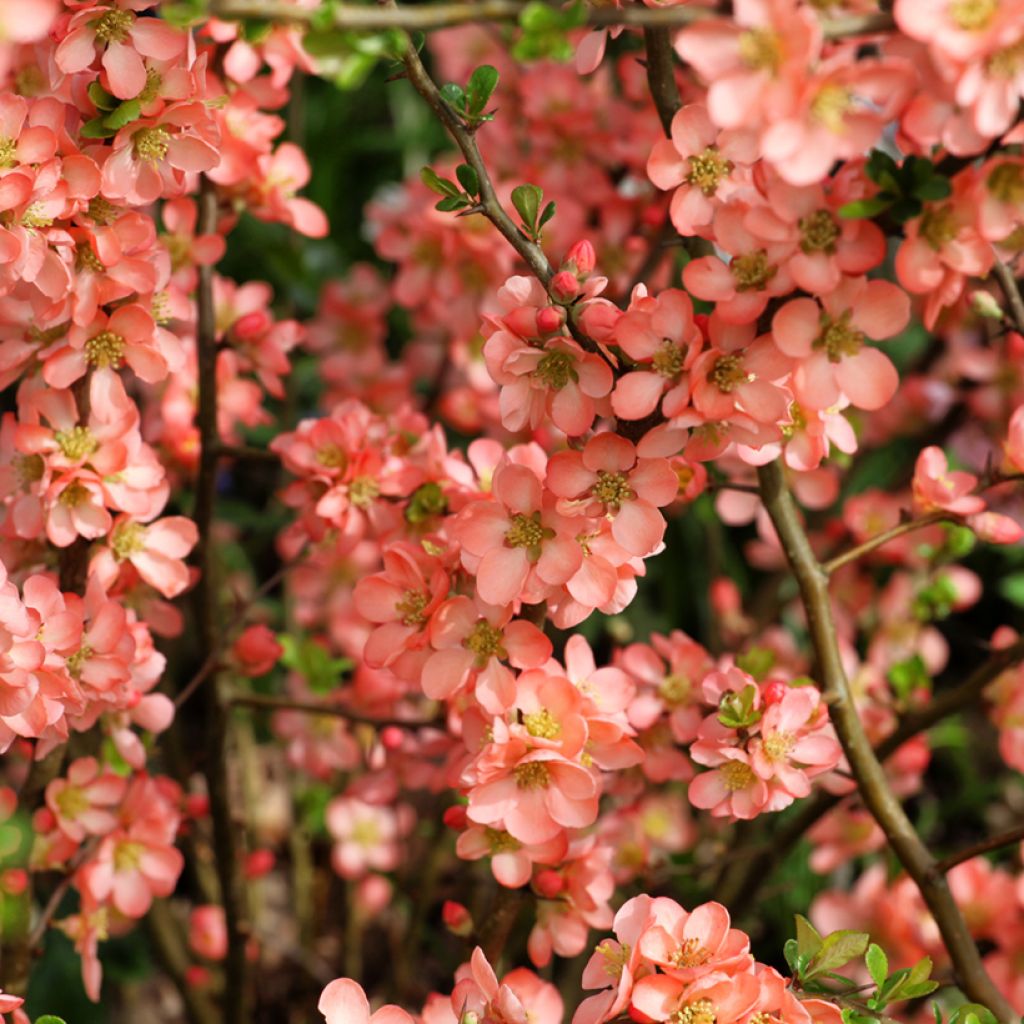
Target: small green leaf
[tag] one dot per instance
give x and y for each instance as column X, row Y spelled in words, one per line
column 453, row 95
column 837, row 949
column 878, row 964
column 546, row 215
column 482, row 83
column 905, row 209
column 96, row 129
column 450, row 203
column 468, row 179
column 865, row 208
column 792, row 955
column 808, row 940
column 101, row 99
column 527, row 199
column 937, row 187
column 434, row 181
column 49, row 1018
column 756, row 662
column 124, row 114
column 1012, row 588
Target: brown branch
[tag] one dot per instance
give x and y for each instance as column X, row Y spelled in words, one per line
column 426, row 17
column 216, row 717
column 271, row 702
column 908, row 526
column 872, row 783
column 661, row 75
column 1013, row 835
column 1008, row 282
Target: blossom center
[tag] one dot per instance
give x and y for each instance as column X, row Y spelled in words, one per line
column 71, row 802
column 1007, row 63
column 938, row 226
column 707, row 169
column 365, row 832
column 412, row 607
column 760, row 49
column 76, row 443
column 973, row 15
column 752, row 271
column 532, row 775
column 737, row 775
column 76, row 662
column 542, row 724
column 331, row 456
column 674, row 690
column 500, row 842
column 28, row 468
column 35, row 216
column 128, row 539
column 612, row 489
column 86, row 259
column 114, row 26
column 525, row 531
column 8, row 148
column 74, row 494
column 363, row 491
column 831, row 105
column 839, row 338
column 555, row 370
column 778, row 745
column 728, row 374
column 151, row 144
column 668, row 360
column 485, row 641
column 102, row 211
column 690, row 954
column 106, row 349
column 1006, row 183
column 127, row 856
column 818, row 232
column 700, row 1011
column 615, row 957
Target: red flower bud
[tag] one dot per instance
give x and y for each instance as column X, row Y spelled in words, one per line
column 457, row 918
column 774, row 691
column 14, row 881
column 548, row 883
column 392, row 737
column 550, row 319
column 455, row 817
column 259, row 863
column 565, row 286
column 583, row 255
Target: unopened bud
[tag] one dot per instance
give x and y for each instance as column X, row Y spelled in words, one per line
column 259, row 863
column 550, row 319
column 774, row 691
column 583, row 255
column 457, row 918
column 392, row 737
column 565, row 286
column 984, row 304
column 548, row 883
column 455, row 816
column 14, row 881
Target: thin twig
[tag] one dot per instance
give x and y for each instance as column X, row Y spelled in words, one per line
column 216, row 716
column 425, row 17
column 1014, row 835
column 271, row 702
column 81, row 855
column 909, row 526
column 1008, row 282
column 661, row 74
column 871, row 779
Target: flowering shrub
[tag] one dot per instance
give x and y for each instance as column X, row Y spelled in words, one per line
column 632, row 546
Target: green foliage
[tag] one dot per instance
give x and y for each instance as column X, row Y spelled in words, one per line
column 470, row 103
column 453, row 198
column 737, row 711
column 908, row 676
column 313, row 662
column 903, row 188
column 757, row 662
column 347, row 58
column 527, row 199
column 546, row 31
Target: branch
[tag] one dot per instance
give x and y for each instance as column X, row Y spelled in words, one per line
column 270, row 702
column 216, row 716
column 424, row 18
column 1008, row 282
column 661, row 74
column 169, row 945
column 1014, row 835
column 866, row 767
column 909, row 526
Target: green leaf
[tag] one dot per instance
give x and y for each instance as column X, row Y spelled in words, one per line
column 1012, row 588
column 482, row 83
column 527, row 199
column 434, row 181
column 313, row 662
column 546, row 215
column 450, row 203
column 791, row 952
column 49, row 1018
column 938, row 187
column 808, row 940
column 737, row 711
column 866, row 208
column 878, row 964
column 124, row 114
column 756, row 662
column 468, row 179
column 905, row 209
column 837, row 949
column 453, row 95
column 96, row 129
column 255, row 30
column 101, row 99
column 908, row 676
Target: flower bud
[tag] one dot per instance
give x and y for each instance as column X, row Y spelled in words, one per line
column 456, row 918
column 392, row 737
column 550, row 319
column 984, row 304
column 995, row 528
column 14, row 881
column 257, row 650
column 259, row 863
column 565, row 286
column 548, row 883
column 774, row 691
column 583, row 255
column 522, row 320
column 455, row 817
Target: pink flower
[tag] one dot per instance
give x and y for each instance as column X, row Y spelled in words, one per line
column 745, row 382
column 728, row 997
column 658, row 333
column 156, row 550
column 520, row 998
column 939, row 489
column 511, row 861
column 344, row 1002
column 687, row 945
column 608, row 479
column 83, row 802
column 830, row 344
column 516, row 545
column 732, row 788
column 704, row 166
column 366, row 836
column 207, row 932
column 1014, row 445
